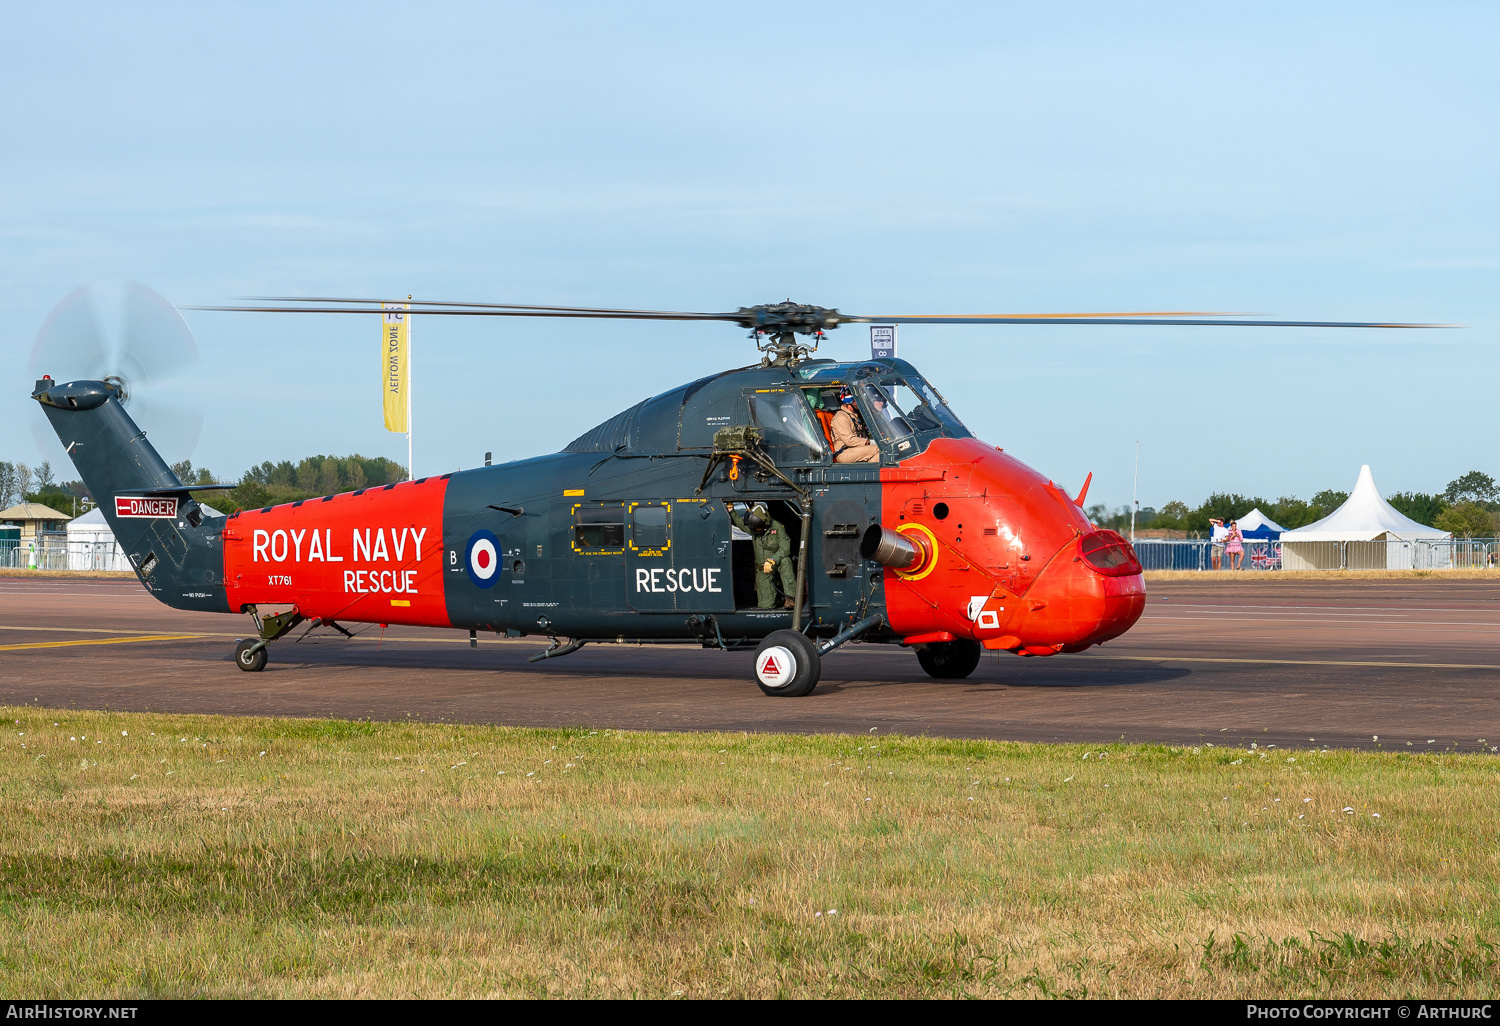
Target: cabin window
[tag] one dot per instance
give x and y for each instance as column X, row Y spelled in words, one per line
column 648, row 527
column 599, row 528
column 786, row 420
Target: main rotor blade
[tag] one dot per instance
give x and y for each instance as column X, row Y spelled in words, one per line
column 1220, row 320
column 782, row 317
column 415, row 303
column 627, row 315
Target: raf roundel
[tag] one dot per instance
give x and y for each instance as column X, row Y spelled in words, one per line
column 483, row 559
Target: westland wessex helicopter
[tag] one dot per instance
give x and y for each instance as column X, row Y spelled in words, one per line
column 943, row 544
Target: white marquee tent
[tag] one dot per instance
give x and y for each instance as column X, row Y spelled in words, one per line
column 92, row 545
column 1256, row 524
column 1361, row 534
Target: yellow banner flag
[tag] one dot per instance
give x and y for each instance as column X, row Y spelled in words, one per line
column 395, row 343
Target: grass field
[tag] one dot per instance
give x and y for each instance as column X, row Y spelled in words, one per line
column 175, row 856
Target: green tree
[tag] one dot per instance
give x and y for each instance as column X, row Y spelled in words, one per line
column 1424, row 509
column 189, row 476
column 270, row 484
column 1475, row 487
column 54, row 497
column 1170, row 516
column 1466, row 519
column 1291, row 512
column 1328, row 500
column 1224, row 506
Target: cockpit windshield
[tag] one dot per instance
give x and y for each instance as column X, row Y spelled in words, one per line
column 903, row 403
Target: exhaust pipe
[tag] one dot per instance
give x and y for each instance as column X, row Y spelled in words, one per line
column 907, row 553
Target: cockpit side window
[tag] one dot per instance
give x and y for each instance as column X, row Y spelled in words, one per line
column 882, row 417
column 787, row 422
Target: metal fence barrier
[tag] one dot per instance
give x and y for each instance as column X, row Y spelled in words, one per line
column 1439, row 554
column 1154, row 554
column 75, row 555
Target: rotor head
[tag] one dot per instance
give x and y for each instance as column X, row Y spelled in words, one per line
column 774, row 327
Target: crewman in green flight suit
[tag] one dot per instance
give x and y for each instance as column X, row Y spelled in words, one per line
column 773, row 553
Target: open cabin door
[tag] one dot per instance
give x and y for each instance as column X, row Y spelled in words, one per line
column 678, row 556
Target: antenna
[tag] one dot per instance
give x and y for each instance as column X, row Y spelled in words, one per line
column 411, row 471
column 1135, row 488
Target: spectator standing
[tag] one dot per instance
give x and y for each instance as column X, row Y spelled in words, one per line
column 1234, row 546
column 1216, row 539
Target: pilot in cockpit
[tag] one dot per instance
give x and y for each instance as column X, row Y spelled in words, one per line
column 851, row 439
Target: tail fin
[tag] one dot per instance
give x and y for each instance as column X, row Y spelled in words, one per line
column 174, row 547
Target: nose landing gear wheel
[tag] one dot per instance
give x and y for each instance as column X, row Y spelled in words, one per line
column 247, row 660
column 787, row 664
column 950, row 660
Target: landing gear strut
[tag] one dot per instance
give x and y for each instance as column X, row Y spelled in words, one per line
column 251, row 656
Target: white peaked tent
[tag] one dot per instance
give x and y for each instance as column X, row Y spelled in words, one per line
column 1256, row 524
column 1357, row 535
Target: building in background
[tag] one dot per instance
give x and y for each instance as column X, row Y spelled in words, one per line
column 42, row 531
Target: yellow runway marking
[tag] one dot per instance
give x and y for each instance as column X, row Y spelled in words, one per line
column 99, row 641
column 1303, row 662
column 92, row 630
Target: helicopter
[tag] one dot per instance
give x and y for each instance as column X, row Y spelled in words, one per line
column 632, row 533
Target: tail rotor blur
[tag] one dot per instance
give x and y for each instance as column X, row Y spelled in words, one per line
column 130, row 336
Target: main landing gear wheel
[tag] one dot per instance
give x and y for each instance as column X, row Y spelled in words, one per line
column 787, row 664
column 250, row 661
column 950, row 660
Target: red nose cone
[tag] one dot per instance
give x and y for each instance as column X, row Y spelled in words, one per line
column 1092, row 592
column 1014, row 562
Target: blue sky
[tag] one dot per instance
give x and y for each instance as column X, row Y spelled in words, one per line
column 1338, row 162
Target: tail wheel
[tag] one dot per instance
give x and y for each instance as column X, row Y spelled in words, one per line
column 249, row 658
column 787, row 664
column 950, row 660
